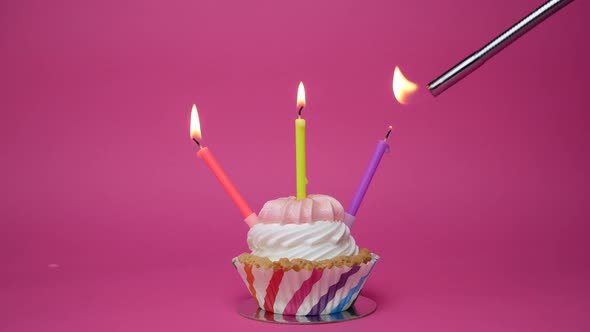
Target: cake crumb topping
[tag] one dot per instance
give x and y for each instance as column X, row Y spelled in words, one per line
column 297, row 264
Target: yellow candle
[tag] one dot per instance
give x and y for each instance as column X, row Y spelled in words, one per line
column 300, row 145
column 300, row 158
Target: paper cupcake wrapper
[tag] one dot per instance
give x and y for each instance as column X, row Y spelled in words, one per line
column 305, row 293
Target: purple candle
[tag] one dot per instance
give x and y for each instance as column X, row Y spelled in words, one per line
column 381, row 148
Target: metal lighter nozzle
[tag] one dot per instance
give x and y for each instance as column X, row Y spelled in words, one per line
column 475, row 60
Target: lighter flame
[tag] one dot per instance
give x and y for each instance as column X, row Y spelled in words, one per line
column 300, row 96
column 403, row 89
column 195, row 123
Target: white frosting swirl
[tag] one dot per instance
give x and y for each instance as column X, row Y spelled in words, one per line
column 313, row 241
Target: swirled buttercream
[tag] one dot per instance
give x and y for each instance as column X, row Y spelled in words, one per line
column 313, row 241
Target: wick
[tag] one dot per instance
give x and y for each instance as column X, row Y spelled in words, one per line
column 300, row 109
column 198, row 143
column 388, row 132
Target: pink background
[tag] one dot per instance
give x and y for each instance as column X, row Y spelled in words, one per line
column 480, row 213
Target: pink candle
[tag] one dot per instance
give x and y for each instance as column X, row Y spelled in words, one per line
column 204, row 153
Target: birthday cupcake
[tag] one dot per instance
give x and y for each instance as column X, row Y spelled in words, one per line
column 304, row 261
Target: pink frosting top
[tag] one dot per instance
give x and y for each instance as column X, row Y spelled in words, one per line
column 289, row 210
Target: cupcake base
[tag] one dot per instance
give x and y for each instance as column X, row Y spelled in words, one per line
column 287, row 289
column 362, row 307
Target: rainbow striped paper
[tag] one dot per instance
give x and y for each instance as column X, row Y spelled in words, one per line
column 305, row 293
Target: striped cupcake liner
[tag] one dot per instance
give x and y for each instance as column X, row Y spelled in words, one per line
column 305, row 293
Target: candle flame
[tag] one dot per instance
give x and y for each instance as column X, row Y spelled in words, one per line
column 403, row 89
column 300, row 96
column 195, row 123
